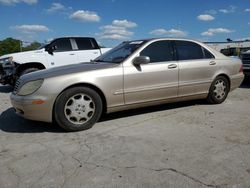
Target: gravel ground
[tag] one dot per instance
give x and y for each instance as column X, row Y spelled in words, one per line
column 189, row 144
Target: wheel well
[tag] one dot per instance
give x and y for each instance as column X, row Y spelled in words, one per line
column 103, row 98
column 227, row 77
column 22, row 67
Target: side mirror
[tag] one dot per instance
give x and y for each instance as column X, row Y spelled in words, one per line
column 51, row 49
column 141, row 60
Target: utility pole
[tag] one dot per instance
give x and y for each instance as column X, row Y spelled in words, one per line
column 20, row 45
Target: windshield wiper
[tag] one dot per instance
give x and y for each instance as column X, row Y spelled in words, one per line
column 99, row 60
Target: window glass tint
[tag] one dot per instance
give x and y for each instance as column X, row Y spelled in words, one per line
column 84, row 44
column 207, row 54
column 62, row 45
column 159, row 51
column 188, row 50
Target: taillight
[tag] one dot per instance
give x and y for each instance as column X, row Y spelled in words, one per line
column 241, row 68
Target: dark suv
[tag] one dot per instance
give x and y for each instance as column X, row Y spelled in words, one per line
column 245, row 57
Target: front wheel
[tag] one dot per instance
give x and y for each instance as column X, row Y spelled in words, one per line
column 29, row 70
column 25, row 71
column 218, row 91
column 78, row 108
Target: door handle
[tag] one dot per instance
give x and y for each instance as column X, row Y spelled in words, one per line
column 212, row 63
column 172, row 66
column 71, row 54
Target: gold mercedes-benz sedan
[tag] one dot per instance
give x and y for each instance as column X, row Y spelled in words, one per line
column 134, row 74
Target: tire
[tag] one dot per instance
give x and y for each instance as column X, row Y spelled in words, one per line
column 25, row 71
column 28, row 70
column 219, row 90
column 78, row 109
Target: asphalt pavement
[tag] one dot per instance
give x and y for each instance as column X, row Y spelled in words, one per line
column 189, row 144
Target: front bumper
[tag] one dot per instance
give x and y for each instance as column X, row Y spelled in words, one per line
column 1, row 74
column 246, row 70
column 25, row 107
column 7, row 75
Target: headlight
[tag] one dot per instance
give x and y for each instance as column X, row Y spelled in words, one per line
column 8, row 61
column 30, row 87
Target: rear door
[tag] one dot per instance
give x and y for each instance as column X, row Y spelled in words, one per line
column 197, row 67
column 87, row 49
column 157, row 80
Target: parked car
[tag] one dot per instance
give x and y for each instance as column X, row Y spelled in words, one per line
column 134, row 74
column 59, row 52
column 245, row 57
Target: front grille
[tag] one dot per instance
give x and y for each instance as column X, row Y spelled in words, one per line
column 246, row 62
column 1, row 70
column 245, row 58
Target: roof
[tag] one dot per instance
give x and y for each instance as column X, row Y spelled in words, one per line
column 227, row 42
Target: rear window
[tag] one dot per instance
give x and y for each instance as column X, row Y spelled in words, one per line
column 187, row 50
column 84, row 44
column 207, row 54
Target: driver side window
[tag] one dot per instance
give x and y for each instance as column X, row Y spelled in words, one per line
column 62, row 45
column 159, row 51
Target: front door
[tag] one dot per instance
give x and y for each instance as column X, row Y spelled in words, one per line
column 63, row 53
column 157, row 80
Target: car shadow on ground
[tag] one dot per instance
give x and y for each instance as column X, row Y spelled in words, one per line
column 150, row 109
column 6, row 89
column 246, row 83
column 12, row 123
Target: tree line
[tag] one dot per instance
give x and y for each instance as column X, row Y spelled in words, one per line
column 10, row 45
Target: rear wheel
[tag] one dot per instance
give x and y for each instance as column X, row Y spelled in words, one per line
column 218, row 90
column 78, row 108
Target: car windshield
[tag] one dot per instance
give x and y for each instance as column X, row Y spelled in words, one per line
column 42, row 46
column 121, row 52
column 45, row 45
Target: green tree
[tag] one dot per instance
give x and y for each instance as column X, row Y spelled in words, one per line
column 32, row 46
column 9, row 45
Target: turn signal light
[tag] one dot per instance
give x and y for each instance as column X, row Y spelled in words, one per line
column 38, row 102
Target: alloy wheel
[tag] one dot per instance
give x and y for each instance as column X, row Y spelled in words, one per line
column 79, row 108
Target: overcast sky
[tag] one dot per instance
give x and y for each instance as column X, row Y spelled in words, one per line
column 113, row 21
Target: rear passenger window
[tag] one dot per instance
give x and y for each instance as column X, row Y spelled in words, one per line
column 159, row 51
column 207, row 54
column 188, row 50
column 62, row 45
column 84, row 44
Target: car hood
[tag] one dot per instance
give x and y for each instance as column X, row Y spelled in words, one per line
column 68, row 69
column 27, row 53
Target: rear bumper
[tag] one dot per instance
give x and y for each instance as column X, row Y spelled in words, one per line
column 236, row 81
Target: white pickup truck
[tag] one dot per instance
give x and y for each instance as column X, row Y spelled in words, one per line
column 59, row 52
